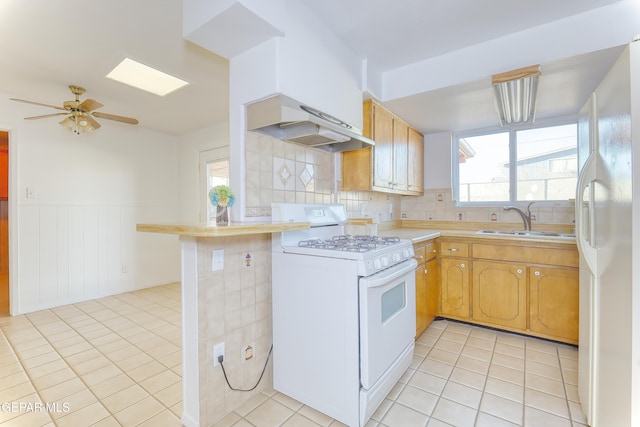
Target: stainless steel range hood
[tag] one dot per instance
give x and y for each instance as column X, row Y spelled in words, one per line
column 285, row 118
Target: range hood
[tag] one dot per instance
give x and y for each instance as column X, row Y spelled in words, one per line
column 285, row 118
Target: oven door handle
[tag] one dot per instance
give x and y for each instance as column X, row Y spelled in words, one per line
column 392, row 273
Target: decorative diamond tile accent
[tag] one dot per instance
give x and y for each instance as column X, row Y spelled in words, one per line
column 284, row 174
column 305, row 177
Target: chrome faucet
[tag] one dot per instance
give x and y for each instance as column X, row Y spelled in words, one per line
column 526, row 216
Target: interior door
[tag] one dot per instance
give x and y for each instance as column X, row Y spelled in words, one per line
column 214, row 170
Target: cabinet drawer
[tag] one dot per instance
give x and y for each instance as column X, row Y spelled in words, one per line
column 458, row 249
column 430, row 251
column 565, row 257
column 420, row 253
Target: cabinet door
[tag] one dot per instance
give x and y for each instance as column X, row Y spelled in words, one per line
column 421, row 300
column 383, row 153
column 427, row 295
column 554, row 302
column 415, row 166
column 432, row 280
column 400, row 153
column 500, row 294
column 455, row 287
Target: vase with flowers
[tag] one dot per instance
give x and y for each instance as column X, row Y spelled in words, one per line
column 222, row 199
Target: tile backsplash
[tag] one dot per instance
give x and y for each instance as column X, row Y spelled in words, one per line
column 437, row 205
column 279, row 171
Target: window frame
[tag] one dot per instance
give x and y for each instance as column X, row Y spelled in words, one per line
column 513, row 179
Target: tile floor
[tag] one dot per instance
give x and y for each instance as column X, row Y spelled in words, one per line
column 116, row 361
column 461, row 376
column 107, row 362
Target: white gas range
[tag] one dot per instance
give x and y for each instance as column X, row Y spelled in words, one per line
column 343, row 313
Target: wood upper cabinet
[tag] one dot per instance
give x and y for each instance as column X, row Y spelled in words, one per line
column 554, row 302
column 400, row 155
column 415, row 166
column 427, row 284
column 394, row 165
column 500, row 294
column 382, row 132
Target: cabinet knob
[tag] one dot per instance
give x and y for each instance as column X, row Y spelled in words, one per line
column 519, row 271
column 537, row 273
column 433, row 251
column 419, row 257
column 426, row 271
column 462, row 265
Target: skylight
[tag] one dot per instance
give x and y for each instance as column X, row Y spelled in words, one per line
column 146, row 78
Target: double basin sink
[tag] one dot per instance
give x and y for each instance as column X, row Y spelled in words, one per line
column 525, row 233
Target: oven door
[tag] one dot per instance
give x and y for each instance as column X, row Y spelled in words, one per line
column 387, row 319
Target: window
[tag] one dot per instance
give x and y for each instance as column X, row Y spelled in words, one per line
column 516, row 165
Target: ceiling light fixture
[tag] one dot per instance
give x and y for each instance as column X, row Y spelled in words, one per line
column 143, row 77
column 77, row 122
column 516, row 94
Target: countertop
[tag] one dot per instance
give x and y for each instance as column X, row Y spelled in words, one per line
column 233, row 229
column 420, row 234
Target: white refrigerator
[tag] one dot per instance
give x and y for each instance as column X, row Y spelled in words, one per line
column 608, row 236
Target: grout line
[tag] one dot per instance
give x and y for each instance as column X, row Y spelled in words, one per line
column 68, row 322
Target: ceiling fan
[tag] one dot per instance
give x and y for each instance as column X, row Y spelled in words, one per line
column 80, row 115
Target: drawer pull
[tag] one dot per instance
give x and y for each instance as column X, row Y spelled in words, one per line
column 454, row 249
column 419, row 257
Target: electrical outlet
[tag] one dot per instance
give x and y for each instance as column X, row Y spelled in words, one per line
column 218, row 350
column 247, row 260
column 248, row 352
column 217, row 259
column 125, row 268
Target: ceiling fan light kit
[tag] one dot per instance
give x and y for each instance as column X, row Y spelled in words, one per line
column 80, row 115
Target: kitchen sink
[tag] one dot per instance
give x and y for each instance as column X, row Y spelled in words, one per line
column 526, row 233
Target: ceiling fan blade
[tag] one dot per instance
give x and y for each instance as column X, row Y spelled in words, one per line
column 90, row 105
column 122, row 119
column 38, row 103
column 94, row 124
column 44, row 116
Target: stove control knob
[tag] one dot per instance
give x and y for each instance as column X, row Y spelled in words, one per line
column 385, row 261
column 406, row 253
column 396, row 257
column 377, row 264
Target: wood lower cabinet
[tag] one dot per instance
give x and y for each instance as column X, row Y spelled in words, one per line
column 500, row 294
column 427, row 285
column 530, row 288
column 455, row 296
column 554, row 302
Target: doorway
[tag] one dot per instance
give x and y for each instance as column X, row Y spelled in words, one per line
column 4, row 223
column 214, row 170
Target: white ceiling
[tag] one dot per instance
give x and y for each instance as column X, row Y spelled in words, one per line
column 47, row 45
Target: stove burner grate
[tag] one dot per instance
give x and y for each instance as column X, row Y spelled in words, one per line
column 350, row 243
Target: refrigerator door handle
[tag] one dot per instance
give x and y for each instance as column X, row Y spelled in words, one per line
column 585, row 232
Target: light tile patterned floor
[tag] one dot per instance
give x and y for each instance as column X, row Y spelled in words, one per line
column 106, row 362
column 461, row 376
column 116, row 361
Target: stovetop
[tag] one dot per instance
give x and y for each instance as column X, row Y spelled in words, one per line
column 350, row 243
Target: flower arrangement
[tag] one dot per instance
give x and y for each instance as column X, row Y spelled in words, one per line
column 221, row 195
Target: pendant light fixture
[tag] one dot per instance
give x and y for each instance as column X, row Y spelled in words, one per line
column 516, row 95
